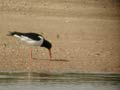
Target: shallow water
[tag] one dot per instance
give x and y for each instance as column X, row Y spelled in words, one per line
column 69, row 81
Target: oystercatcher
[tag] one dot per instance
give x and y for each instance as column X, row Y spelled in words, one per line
column 33, row 39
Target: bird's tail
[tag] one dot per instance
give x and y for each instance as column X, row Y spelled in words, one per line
column 12, row 33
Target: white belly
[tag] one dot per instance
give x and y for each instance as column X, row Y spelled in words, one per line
column 30, row 41
column 35, row 43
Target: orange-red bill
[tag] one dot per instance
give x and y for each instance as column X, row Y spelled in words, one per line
column 50, row 54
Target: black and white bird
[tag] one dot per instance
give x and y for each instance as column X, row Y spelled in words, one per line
column 33, row 39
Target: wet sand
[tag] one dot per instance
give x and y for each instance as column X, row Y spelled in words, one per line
column 85, row 35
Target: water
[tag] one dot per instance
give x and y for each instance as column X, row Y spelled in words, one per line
column 33, row 85
column 69, row 81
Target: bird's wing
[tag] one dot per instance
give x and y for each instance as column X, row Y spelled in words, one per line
column 33, row 36
column 24, row 38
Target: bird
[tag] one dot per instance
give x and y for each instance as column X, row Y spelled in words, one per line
column 33, row 39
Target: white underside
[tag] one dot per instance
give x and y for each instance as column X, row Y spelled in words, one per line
column 30, row 41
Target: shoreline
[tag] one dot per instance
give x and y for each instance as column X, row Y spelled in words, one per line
column 87, row 35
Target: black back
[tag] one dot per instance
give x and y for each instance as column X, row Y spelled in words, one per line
column 31, row 35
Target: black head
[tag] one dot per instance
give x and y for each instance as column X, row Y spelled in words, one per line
column 47, row 44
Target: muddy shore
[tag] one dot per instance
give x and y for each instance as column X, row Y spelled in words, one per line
column 85, row 35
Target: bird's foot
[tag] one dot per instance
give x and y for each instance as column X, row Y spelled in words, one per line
column 34, row 58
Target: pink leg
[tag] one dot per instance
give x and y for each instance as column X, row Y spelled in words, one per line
column 32, row 55
column 50, row 54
